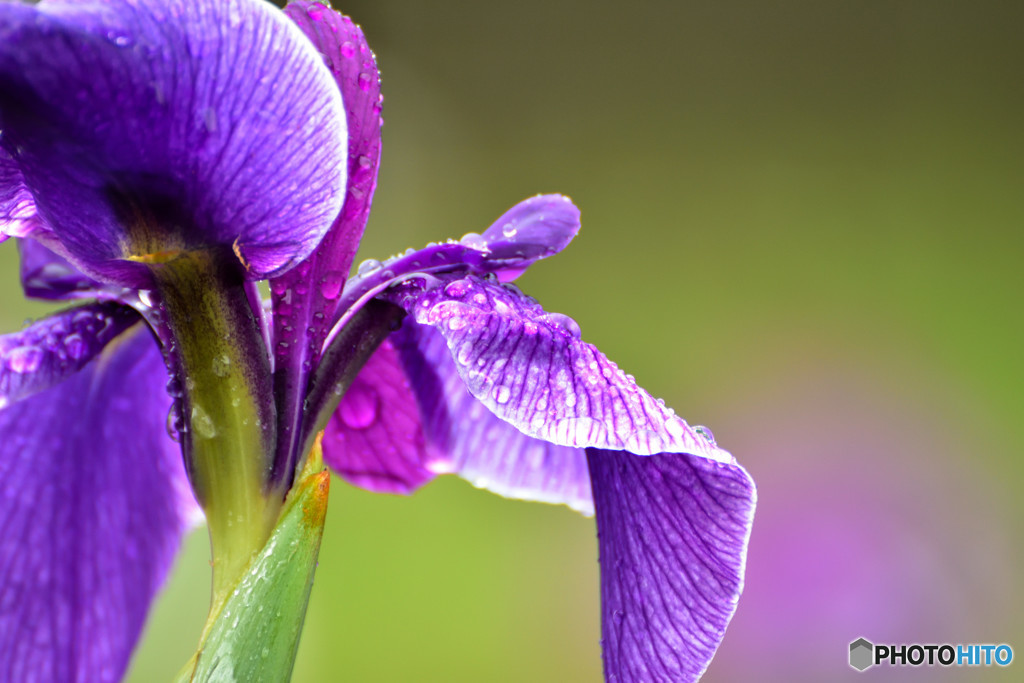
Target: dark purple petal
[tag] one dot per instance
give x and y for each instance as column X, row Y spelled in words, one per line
column 374, row 439
column 55, row 348
column 45, row 275
column 93, row 503
column 305, row 298
column 672, row 532
column 532, row 230
column 468, row 439
column 532, row 370
column 147, row 126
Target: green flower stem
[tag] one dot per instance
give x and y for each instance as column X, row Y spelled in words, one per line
column 227, row 406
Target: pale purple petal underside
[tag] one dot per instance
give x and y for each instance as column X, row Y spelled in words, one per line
column 52, row 349
column 469, row 440
column 93, row 503
column 672, row 532
column 170, row 124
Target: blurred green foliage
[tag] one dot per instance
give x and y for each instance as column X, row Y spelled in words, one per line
column 802, row 227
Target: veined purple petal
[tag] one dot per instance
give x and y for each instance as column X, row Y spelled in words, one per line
column 531, row 369
column 93, row 503
column 305, row 298
column 374, row 439
column 55, row 348
column 672, row 532
column 546, row 223
column 146, row 126
column 469, row 440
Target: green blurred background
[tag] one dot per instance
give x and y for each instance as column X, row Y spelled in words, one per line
column 801, row 227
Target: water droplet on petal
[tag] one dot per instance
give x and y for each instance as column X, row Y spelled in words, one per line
column 348, row 50
column 365, row 80
column 705, row 433
column 146, row 298
column 508, row 230
column 359, row 408
column 501, row 394
column 368, row 267
column 474, row 240
column 76, row 346
column 330, row 285
column 365, row 162
column 456, row 322
column 25, row 359
column 564, row 322
column 456, row 289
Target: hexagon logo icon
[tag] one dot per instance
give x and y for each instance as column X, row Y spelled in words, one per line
column 861, row 654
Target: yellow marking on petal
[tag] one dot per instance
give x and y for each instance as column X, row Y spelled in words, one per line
column 164, row 256
column 236, row 247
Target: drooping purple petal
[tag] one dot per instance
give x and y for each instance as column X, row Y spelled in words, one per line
column 672, row 532
column 304, row 298
column 534, row 229
column 52, row 349
column 531, row 369
column 374, row 439
column 145, row 126
column 93, row 503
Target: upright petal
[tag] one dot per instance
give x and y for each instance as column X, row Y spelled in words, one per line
column 93, row 502
column 305, row 298
column 52, row 349
column 141, row 127
column 534, row 229
column 672, row 532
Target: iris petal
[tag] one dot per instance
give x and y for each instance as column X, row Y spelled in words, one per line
column 305, row 298
column 471, row 441
column 93, row 504
column 672, row 532
column 55, row 348
column 168, row 124
column 375, row 439
column 532, row 369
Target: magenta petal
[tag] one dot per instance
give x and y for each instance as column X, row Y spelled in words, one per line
column 374, row 439
column 52, row 349
column 531, row 369
column 672, row 531
column 305, row 298
column 163, row 124
column 93, row 503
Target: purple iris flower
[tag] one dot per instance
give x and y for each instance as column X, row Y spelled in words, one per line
column 136, row 133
